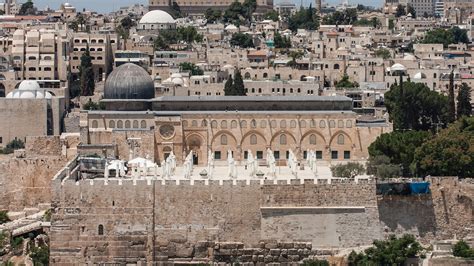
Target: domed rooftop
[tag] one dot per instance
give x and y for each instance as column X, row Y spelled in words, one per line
column 29, row 85
column 398, row 67
column 129, row 81
column 419, row 75
column 157, row 17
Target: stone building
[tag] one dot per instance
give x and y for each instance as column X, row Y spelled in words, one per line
column 181, row 124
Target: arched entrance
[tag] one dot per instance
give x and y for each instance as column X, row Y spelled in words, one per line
column 194, row 143
column 2, row 90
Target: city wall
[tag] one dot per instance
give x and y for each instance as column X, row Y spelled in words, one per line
column 130, row 221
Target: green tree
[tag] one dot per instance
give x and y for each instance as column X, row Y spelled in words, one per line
column 411, row 10
column 242, row 40
column 315, row 262
column 188, row 34
column 346, row 17
column 446, row 36
column 280, row 41
column 449, row 153
column 416, row 107
column 464, row 101
column 4, row 217
column 160, row 44
column 229, row 87
column 294, row 56
column 213, row 15
column 381, row 167
column 123, row 29
column 40, row 255
column 306, row 19
column 90, row 105
column 399, row 147
column 176, row 10
column 451, row 112
column 394, row 251
column 462, row 249
column 348, row 170
column 27, row 8
column 195, row 70
column 2, row 12
column 391, row 24
column 383, row 53
column 86, row 74
column 249, row 7
column 238, row 87
column 400, row 11
column 272, row 15
column 13, row 145
column 346, row 83
column 235, row 13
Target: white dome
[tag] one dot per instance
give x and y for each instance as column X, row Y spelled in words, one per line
column 398, row 67
column 176, row 75
column 231, row 27
column 29, row 85
column 157, row 17
column 178, row 81
column 419, row 75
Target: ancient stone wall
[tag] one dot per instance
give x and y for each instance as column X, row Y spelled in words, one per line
column 25, row 182
column 445, row 213
column 149, row 220
column 43, row 146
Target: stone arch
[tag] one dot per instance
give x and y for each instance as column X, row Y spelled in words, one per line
column 120, row 124
column 143, row 124
column 251, row 132
column 347, row 138
column 247, row 75
column 275, row 141
column 135, row 124
column 224, row 124
column 319, row 137
column 195, row 142
column 95, row 124
column 111, row 124
column 127, row 123
column 231, row 143
column 260, row 144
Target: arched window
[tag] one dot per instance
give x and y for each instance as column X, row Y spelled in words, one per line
column 292, row 123
column 336, row 66
column 111, row 124
column 263, row 124
column 273, row 124
column 253, row 123
column 312, row 139
column 283, row 123
column 119, row 124
column 233, row 124
column 223, row 139
column 253, row 139
column 194, row 123
column 340, row 139
column 135, row 123
column 100, row 230
column 265, row 75
column 243, row 124
column 332, row 123
column 204, row 123
column 214, row 124
column 127, row 123
column 302, row 124
column 223, row 124
column 95, row 124
column 282, row 139
column 2, row 77
column 48, row 58
column 185, row 123
column 143, row 124
column 247, row 75
column 340, row 124
column 348, row 123
column 322, row 124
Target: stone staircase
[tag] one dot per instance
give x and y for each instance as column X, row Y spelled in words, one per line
column 28, row 220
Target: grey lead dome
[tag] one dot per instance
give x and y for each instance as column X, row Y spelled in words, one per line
column 129, row 81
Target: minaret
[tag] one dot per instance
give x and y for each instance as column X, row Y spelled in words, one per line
column 7, row 7
column 319, row 5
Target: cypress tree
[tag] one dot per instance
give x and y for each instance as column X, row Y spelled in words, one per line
column 464, row 101
column 238, row 87
column 86, row 74
column 451, row 104
column 229, row 86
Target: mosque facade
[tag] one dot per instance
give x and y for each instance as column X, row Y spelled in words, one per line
column 135, row 123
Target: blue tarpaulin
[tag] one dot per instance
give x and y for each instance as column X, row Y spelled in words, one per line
column 420, row 188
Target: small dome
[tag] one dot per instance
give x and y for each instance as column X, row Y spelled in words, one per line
column 29, row 85
column 419, row 75
column 176, row 75
column 178, row 81
column 157, row 17
column 231, row 27
column 129, row 81
column 398, row 67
